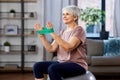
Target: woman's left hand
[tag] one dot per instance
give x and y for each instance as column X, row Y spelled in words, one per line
column 49, row 25
column 38, row 27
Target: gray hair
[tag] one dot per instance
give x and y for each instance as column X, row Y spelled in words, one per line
column 74, row 10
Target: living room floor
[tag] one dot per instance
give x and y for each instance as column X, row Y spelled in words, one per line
column 29, row 76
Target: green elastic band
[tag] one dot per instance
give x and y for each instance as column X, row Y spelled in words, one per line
column 45, row 31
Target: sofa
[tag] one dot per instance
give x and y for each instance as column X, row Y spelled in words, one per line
column 103, row 56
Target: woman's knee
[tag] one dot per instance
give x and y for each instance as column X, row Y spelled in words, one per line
column 52, row 68
column 36, row 66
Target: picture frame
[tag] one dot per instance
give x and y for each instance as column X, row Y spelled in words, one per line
column 10, row 29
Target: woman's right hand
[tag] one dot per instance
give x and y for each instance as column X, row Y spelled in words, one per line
column 39, row 27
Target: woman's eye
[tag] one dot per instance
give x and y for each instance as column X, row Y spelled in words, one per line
column 67, row 13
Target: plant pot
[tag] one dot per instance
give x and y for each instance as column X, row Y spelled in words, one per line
column 93, row 29
column 12, row 14
column 7, row 48
column 90, row 28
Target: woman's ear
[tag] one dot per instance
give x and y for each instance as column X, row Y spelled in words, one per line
column 75, row 18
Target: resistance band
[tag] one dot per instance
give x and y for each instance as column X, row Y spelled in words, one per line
column 45, row 31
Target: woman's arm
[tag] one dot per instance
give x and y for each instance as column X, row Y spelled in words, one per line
column 49, row 47
column 66, row 45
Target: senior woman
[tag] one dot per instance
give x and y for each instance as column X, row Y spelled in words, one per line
column 69, row 45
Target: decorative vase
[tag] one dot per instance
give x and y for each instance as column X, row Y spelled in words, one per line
column 104, row 35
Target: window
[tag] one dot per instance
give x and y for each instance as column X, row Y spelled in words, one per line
column 109, row 8
column 90, row 31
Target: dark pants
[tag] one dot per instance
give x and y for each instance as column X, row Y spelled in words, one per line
column 57, row 70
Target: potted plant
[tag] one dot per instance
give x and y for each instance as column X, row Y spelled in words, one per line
column 93, row 18
column 7, row 46
column 32, row 14
column 12, row 13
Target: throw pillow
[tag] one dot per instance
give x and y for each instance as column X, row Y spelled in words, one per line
column 112, row 47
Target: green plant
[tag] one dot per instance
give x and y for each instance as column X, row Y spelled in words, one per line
column 12, row 11
column 7, row 43
column 92, row 16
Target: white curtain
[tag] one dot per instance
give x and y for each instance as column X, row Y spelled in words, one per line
column 116, row 28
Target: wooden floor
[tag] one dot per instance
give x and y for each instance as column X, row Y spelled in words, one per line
column 29, row 76
column 16, row 76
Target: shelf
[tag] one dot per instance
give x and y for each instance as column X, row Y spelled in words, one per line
column 17, row 32
column 17, row 52
column 27, row 33
column 14, row 62
column 16, row 49
column 28, row 15
column 18, row 0
column 17, row 18
column 18, row 35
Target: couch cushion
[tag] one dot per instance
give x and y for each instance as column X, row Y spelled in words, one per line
column 105, row 60
column 112, row 47
column 95, row 47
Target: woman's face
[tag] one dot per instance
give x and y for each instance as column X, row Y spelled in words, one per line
column 67, row 17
